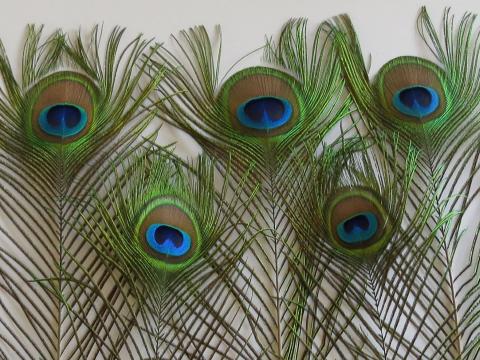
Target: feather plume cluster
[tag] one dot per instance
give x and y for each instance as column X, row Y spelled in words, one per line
column 331, row 214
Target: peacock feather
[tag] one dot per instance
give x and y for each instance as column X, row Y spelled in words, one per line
column 265, row 116
column 431, row 106
column 332, row 214
column 167, row 238
column 59, row 121
column 258, row 112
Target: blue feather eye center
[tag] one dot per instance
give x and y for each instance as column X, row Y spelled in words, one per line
column 358, row 228
column 63, row 120
column 168, row 240
column 416, row 101
column 264, row 112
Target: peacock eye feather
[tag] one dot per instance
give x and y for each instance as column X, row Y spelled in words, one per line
column 413, row 90
column 357, row 222
column 61, row 108
column 161, row 214
column 261, row 101
column 168, row 234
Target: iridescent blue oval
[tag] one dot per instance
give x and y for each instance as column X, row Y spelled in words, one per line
column 418, row 101
column 358, row 228
column 63, row 120
column 168, row 240
column 264, row 112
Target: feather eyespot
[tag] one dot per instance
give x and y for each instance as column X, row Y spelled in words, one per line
column 261, row 101
column 358, row 228
column 264, row 112
column 358, row 222
column 168, row 234
column 417, row 101
column 168, row 240
column 62, row 108
column 413, row 89
column 63, row 120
